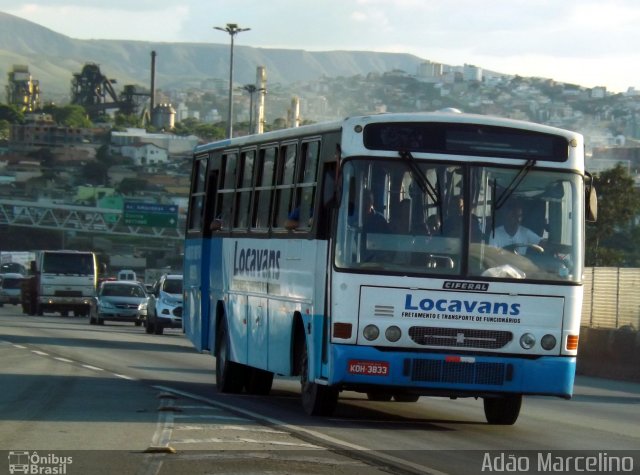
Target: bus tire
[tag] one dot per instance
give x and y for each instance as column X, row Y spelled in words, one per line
column 502, row 410
column 258, row 381
column 317, row 400
column 230, row 376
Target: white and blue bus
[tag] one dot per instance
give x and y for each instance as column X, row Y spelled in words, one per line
column 396, row 255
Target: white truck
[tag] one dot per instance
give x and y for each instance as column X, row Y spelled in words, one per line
column 60, row 281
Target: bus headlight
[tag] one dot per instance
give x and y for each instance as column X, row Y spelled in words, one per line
column 527, row 341
column 393, row 333
column 371, row 332
column 548, row 342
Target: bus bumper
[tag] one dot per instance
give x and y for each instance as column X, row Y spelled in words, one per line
column 367, row 368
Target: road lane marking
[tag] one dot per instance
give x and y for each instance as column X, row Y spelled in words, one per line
column 300, row 429
column 93, row 368
column 64, row 360
column 41, row 353
column 208, row 416
column 124, row 376
column 217, row 440
column 20, row 346
column 232, row 427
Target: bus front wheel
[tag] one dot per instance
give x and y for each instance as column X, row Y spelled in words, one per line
column 317, row 400
column 502, row 410
column 230, row 376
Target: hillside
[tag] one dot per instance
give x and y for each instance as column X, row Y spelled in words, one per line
column 53, row 58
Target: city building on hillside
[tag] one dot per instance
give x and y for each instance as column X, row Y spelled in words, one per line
column 40, row 130
column 144, row 154
column 174, row 144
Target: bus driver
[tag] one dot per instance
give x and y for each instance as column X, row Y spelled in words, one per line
column 513, row 233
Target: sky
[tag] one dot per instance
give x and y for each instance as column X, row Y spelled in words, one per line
column 586, row 42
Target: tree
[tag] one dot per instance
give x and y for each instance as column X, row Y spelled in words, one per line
column 72, row 115
column 618, row 203
column 130, row 186
column 123, row 121
column 11, row 114
column 5, row 128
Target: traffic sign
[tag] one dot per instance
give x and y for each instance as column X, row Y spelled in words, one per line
column 150, row 214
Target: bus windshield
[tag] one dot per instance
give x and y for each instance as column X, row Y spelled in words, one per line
column 411, row 216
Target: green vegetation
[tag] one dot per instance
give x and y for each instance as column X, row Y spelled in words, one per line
column 612, row 240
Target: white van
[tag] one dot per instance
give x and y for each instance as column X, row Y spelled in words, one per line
column 127, row 274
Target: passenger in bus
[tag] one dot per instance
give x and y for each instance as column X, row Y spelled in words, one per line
column 401, row 221
column 374, row 221
column 454, row 223
column 216, row 224
column 433, row 225
column 513, row 232
column 293, row 220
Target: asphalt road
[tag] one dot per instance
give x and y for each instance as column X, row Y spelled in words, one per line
column 116, row 400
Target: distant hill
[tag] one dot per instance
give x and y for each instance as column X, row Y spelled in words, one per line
column 53, row 58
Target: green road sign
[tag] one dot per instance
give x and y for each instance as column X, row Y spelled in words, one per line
column 151, row 215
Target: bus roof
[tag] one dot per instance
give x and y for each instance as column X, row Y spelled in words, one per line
column 449, row 115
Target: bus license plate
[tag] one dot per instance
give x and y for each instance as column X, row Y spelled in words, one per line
column 370, row 368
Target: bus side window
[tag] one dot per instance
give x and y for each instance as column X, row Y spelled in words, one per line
column 306, row 191
column 284, row 187
column 227, row 191
column 243, row 195
column 197, row 198
column 265, row 170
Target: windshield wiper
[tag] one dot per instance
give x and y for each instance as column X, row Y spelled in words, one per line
column 508, row 191
column 423, row 182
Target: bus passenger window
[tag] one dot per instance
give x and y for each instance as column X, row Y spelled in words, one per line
column 284, row 188
column 264, row 188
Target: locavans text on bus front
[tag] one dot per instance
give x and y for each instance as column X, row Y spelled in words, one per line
column 451, row 309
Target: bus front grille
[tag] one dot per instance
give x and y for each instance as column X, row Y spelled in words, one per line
column 460, row 337
column 441, row 371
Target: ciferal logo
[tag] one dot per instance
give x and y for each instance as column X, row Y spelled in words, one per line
column 457, row 285
column 23, row 461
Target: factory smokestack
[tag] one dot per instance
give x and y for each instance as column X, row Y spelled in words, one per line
column 261, row 85
column 153, row 82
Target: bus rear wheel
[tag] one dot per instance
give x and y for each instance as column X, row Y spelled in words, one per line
column 317, row 400
column 502, row 410
column 230, row 376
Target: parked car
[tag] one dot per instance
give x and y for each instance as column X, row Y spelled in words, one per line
column 10, row 284
column 165, row 308
column 120, row 301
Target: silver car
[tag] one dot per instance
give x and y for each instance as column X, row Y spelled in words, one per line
column 120, row 301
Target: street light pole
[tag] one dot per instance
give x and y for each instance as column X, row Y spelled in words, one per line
column 232, row 29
